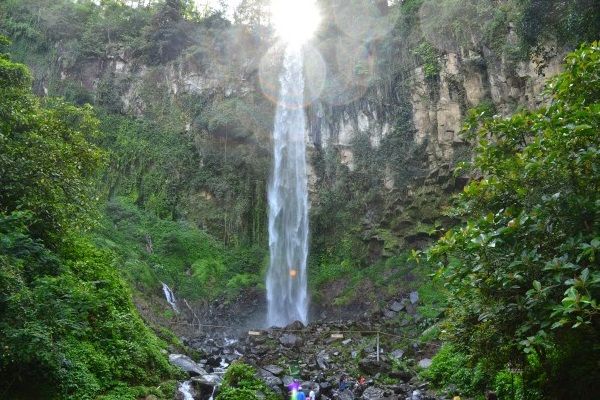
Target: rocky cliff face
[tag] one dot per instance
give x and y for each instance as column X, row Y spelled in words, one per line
column 384, row 119
column 438, row 105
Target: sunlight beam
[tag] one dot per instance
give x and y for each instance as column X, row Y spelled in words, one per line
column 295, row 21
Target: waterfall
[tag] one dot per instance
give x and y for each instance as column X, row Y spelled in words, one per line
column 186, row 390
column 170, row 297
column 288, row 200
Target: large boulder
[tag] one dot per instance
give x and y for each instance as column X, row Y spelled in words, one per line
column 323, row 360
column 373, row 393
column 326, row 387
column 295, row 326
column 206, row 385
column 371, row 366
column 416, row 395
column 186, row 364
column 274, row 369
column 414, row 297
column 270, row 379
column 345, row 395
column 405, row 376
column 290, row 340
column 397, row 354
column 397, row 306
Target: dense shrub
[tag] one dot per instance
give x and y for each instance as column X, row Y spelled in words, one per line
column 67, row 322
column 241, row 383
column 523, row 272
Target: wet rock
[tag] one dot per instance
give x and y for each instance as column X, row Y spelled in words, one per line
column 373, row 393
column 345, row 395
column 411, row 309
column 397, row 306
column 290, row 340
column 425, row 363
column 270, row 379
column 214, row 361
column 206, row 384
column 404, row 376
column 274, row 369
column 414, row 297
column 186, row 364
column 259, row 350
column 371, row 366
column 397, row 354
column 323, row 360
column 295, row 326
column 416, row 395
column 326, row 387
column 402, row 389
column 258, row 339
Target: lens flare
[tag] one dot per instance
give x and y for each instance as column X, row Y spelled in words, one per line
column 295, row 21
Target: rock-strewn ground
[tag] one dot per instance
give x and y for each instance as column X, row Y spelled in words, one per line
column 320, row 353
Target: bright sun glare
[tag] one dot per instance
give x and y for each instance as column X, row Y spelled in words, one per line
column 295, row 21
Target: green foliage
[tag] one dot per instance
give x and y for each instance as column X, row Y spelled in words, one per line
column 509, row 385
column 66, row 318
column 429, row 57
column 512, row 29
column 523, row 273
column 240, row 382
column 450, row 366
column 192, row 262
column 166, row 35
column 566, row 21
column 36, row 140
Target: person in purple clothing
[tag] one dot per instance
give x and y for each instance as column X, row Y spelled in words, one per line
column 294, row 387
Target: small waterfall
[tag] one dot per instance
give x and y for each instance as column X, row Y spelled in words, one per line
column 186, row 390
column 170, row 297
column 212, row 394
column 288, row 199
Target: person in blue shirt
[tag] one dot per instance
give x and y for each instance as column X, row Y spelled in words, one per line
column 343, row 383
column 300, row 395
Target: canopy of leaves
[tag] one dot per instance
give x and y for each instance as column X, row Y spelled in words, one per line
column 47, row 162
column 66, row 318
column 523, row 272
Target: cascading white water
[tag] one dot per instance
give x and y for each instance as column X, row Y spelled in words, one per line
column 288, row 199
column 170, row 297
column 186, row 390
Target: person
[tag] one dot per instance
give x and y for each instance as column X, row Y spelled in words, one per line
column 360, row 386
column 361, row 381
column 294, row 388
column 300, row 395
column 312, row 395
column 343, row 383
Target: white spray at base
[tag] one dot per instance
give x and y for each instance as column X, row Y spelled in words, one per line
column 170, row 297
column 288, row 200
